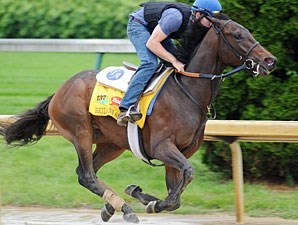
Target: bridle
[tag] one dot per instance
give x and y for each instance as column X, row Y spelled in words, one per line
column 250, row 63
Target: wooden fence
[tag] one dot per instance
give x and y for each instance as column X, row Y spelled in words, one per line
column 237, row 131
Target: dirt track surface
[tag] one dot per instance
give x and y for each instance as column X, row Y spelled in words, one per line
column 42, row 216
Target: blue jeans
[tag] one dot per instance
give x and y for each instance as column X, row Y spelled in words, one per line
column 139, row 35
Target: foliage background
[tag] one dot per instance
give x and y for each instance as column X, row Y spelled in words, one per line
column 274, row 23
column 65, row 18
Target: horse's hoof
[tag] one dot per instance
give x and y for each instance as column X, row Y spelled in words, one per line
column 131, row 188
column 131, row 217
column 150, row 208
column 107, row 212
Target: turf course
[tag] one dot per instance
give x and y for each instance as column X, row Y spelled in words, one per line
column 43, row 174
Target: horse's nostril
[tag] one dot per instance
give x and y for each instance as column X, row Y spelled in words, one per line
column 270, row 61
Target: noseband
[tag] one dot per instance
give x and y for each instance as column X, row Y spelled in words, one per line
column 250, row 64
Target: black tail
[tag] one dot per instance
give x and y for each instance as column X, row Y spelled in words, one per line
column 29, row 127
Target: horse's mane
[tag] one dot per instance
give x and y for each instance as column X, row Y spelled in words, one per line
column 191, row 38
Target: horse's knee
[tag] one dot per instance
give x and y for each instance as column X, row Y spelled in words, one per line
column 175, row 205
column 189, row 174
column 158, row 206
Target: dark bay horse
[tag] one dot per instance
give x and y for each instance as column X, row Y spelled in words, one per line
column 173, row 132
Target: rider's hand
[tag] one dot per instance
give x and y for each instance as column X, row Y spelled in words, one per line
column 179, row 66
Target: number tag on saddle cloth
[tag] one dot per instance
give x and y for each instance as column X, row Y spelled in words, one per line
column 110, row 88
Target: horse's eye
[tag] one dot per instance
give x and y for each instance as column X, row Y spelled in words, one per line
column 238, row 36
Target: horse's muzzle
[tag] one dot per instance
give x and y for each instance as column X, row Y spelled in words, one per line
column 264, row 67
column 271, row 63
column 267, row 65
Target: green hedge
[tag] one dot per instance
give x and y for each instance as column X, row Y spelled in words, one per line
column 65, row 18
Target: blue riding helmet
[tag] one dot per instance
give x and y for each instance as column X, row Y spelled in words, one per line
column 208, row 7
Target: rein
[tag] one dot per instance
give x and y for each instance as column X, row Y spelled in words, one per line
column 214, row 76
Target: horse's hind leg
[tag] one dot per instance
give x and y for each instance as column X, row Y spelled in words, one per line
column 68, row 110
column 88, row 166
column 105, row 153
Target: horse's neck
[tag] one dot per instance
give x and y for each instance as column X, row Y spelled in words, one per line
column 205, row 60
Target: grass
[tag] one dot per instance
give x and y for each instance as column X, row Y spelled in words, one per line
column 27, row 78
column 43, row 174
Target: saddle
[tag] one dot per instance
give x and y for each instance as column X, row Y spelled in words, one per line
column 161, row 67
column 112, row 84
column 130, row 66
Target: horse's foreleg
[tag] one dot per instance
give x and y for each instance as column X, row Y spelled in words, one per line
column 136, row 192
column 172, row 180
column 179, row 173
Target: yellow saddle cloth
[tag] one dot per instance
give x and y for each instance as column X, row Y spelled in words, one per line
column 105, row 100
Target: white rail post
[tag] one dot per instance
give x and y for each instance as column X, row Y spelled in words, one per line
column 237, row 162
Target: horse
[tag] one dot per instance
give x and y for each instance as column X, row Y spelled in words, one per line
column 172, row 134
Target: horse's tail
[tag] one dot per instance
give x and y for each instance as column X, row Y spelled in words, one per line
column 29, row 127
